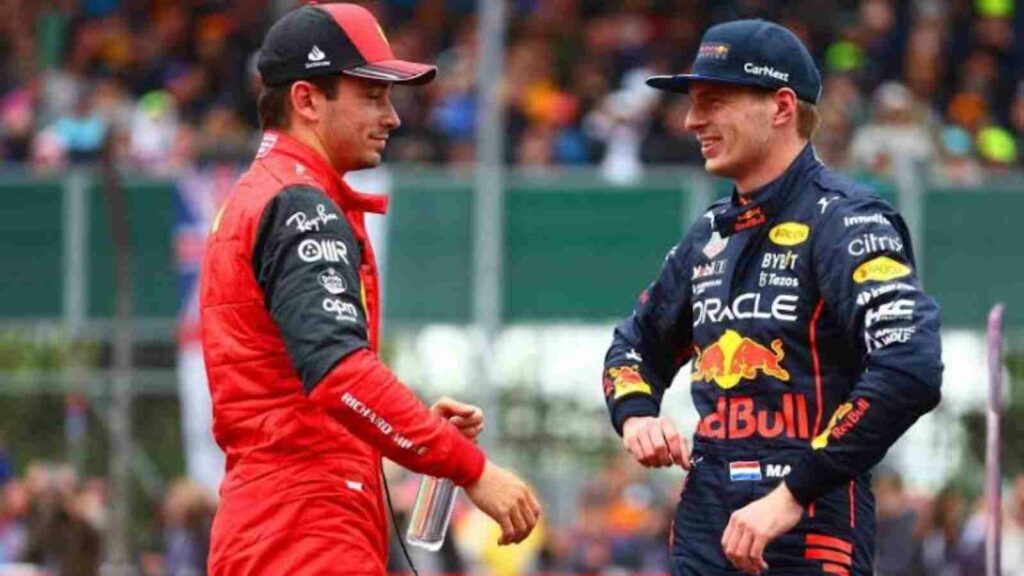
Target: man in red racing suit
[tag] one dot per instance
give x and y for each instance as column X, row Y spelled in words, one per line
column 290, row 304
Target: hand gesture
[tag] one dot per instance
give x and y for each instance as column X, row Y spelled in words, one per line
column 467, row 418
column 752, row 527
column 655, row 442
column 508, row 500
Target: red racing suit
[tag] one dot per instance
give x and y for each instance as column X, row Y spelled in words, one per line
column 302, row 407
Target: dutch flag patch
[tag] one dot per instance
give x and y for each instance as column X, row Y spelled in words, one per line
column 744, row 471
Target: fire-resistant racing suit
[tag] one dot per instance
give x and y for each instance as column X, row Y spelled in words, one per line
column 302, row 406
column 813, row 349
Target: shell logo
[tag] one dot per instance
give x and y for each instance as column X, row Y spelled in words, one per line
column 789, row 233
column 880, row 269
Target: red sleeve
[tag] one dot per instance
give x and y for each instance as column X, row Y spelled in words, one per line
column 365, row 396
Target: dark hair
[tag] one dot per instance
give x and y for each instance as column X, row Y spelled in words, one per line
column 275, row 102
column 807, row 119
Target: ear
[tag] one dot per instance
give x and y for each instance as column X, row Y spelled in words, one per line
column 785, row 107
column 307, row 101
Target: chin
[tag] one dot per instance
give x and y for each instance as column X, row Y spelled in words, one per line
column 369, row 161
column 717, row 166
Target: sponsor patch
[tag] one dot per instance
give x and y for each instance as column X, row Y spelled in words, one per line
column 343, row 311
column 713, row 51
column 737, row 417
column 303, row 223
column 708, row 269
column 871, row 243
column 313, row 250
column 870, row 294
column 627, row 380
column 880, row 269
column 332, row 281
column 266, row 145
column 824, row 202
column 735, row 357
column 745, row 306
column 896, row 310
column 752, row 218
column 744, row 471
column 766, row 71
column 715, row 245
column 870, row 219
column 842, row 421
column 789, row 233
column 784, row 261
column 885, row 336
column 777, row 280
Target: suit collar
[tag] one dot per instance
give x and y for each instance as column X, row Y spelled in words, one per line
column 279, row 144
column 754, row 209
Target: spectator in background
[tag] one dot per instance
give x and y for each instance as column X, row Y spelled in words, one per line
column 842, row 109
column 587, row 549
column 1013, row 530
column 997, row 148
column 621, row 121
column 81, row 132
column 13, row 531
column 17, row 116
column 65, row 522
column 668, row 142
column 636, row 524
column 957, row 164
column 940, row 545
column 154, row 131
column 898, row 129
column 188, row 511
column 896, row 523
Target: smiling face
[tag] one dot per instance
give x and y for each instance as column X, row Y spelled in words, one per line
column 354, row 126
column 734, row 125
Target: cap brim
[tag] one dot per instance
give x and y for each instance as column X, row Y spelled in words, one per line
column 681, row 82
column 395, row 71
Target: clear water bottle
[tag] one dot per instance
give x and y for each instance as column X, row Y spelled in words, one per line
column 431, row 513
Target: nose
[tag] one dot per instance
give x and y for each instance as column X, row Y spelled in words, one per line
column 391, row 119
column 695, row 119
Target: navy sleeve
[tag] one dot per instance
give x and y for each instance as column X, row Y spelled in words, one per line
column 649, row 347
column 865, row 269
column 307, row 262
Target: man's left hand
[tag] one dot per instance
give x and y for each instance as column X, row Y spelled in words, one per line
column 752, row 527
column 467, row 418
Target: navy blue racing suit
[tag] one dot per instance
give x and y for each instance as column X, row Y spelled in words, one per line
column 813, row 349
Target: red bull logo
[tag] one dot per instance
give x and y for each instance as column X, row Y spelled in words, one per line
column 843, row 420
column 734, row 358
column 625, row 380
column 750, row 219
column 737, row 418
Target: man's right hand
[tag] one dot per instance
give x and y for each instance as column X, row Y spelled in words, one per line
column 508, row 500
column 655, row 442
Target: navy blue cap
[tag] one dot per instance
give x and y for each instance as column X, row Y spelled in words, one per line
column 750, row 53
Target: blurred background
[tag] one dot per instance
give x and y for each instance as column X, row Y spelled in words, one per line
column 500, row 289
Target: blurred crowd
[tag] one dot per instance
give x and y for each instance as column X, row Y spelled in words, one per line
column 940, row 82
column 52, row 523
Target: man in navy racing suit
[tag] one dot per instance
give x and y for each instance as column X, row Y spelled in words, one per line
column 813, row 346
